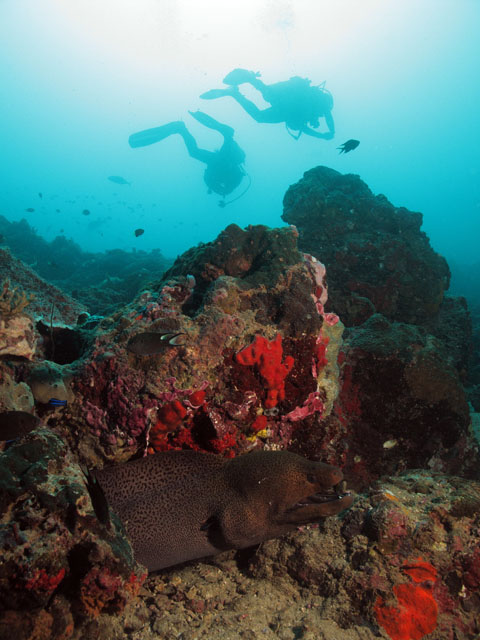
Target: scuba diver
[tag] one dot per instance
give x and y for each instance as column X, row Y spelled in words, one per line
column 224, row 171
column 293, row 101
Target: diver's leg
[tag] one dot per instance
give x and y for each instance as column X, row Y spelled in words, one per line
column 211, row 123
column 156, row 134
column 259, row 115
column 266, row 115
column 260, row 86
column 150, row 136
column 193, row 150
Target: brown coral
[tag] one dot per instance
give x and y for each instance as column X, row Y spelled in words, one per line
column 13, row 301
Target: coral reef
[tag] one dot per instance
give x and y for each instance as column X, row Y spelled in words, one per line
column 231, row 355
column 262, row 360
column 99, row 281
column 61, row 568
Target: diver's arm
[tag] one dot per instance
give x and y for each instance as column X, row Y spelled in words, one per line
column 316, row 134
column 330, row 124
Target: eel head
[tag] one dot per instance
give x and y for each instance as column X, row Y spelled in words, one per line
column 289, row 489
column 318, row 491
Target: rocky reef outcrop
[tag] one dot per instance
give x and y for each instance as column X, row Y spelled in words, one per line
column 251, row 362
column 377, row 257
column 407, row 348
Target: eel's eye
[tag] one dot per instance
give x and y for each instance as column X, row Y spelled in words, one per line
column 311, row 477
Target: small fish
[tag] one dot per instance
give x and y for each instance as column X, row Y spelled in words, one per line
column 15, row 424
column 30, row 209
column 150, row 343
column 349, row 145
column 139, row 232
column 86, row 212
column 57, row 210
column 40, row 195
column 55, row 402
column 118, row 180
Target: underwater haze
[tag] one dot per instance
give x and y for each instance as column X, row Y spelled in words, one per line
column 79, row 77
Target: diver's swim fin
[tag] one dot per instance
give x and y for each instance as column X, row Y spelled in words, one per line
column 215, row 93
column 211, row 123
column 238, row 76
column 151, row 136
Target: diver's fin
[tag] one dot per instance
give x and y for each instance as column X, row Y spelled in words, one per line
column 204, row 119
column 211, row 123
column 151, row 136
column 216, row 93
column 238, row 76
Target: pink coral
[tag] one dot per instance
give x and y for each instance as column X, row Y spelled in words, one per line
column 320, row 296
column 314, row 403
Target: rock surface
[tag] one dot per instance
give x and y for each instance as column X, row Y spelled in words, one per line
column 377, row 258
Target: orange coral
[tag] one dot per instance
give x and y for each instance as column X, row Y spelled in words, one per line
column 414, row 617
column 419, row 570
column 417, row 610
column 268, row 358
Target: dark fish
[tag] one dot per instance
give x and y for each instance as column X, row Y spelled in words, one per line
column 86, row 212
column 57, row 210
column 150, row 343
column 118, row 180
column 30, row 209
column 40, row 195
column 139, row 232
column 15, row 424
column 97, row 496
column 349, row 145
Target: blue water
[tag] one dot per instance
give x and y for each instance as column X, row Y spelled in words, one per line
column 78, row 77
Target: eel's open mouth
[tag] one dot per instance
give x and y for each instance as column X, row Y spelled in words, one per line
column 338, row 492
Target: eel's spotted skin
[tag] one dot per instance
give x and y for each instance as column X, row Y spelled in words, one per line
column 181, row 505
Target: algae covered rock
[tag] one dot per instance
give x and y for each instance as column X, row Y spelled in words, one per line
column 406, row 553
column 61, row 566
column 376, row 255
column 248, row 292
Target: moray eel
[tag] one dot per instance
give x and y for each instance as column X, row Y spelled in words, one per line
column 182, row 505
